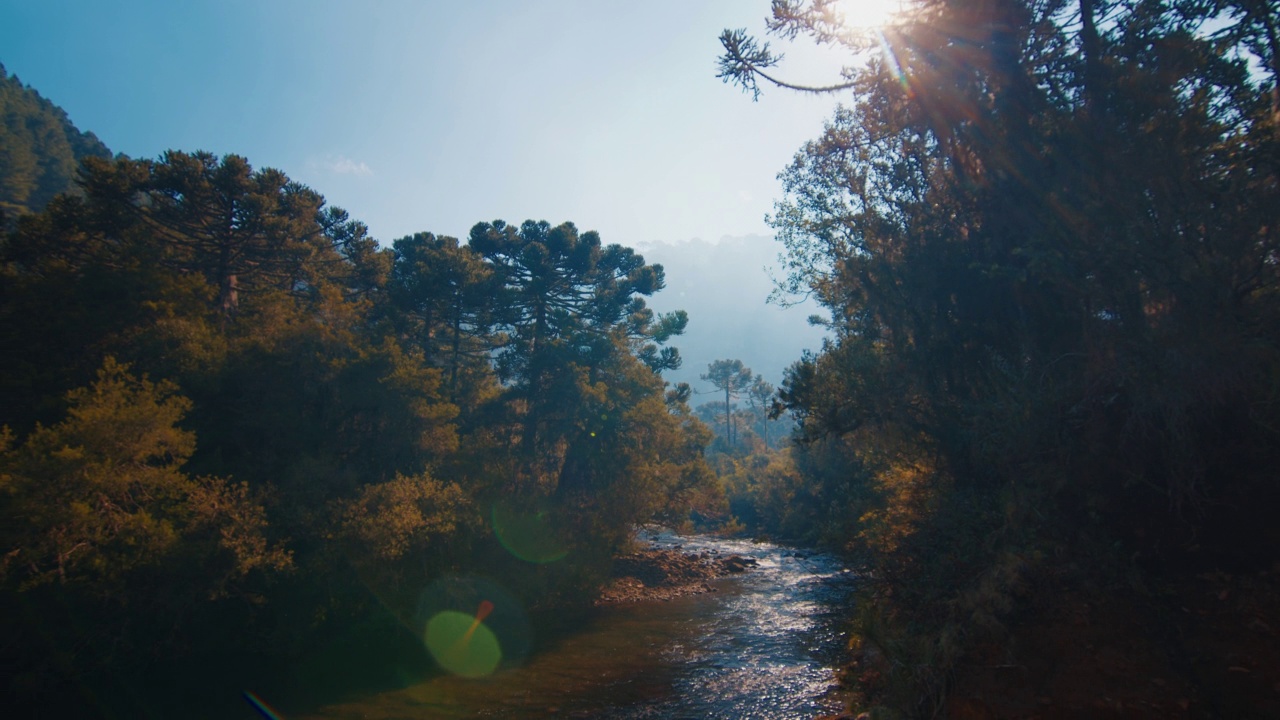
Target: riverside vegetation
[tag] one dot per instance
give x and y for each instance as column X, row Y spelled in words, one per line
column 235, row 427
column 1046, row 237
column 239, row 430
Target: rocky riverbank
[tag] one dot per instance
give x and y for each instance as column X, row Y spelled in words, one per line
column 662, row 574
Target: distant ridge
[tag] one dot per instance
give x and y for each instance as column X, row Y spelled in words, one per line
column 40, row 148
column 724, row 286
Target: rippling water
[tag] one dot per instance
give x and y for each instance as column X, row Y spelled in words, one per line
column 762, row 646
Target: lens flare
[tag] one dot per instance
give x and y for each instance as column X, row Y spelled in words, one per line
column 461, row 643
column 529, row 533
column 868, row 14
column 891, row 61
column 471, row 625
column 258, row 704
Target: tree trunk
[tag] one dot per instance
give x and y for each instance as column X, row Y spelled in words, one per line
column 1091, row 47
column 228, row 294
column 728, row 419
column 456, row 350
column 1268, row 20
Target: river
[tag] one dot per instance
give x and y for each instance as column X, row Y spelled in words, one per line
column 764, row 645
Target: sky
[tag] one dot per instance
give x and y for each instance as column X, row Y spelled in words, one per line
column 432, row 115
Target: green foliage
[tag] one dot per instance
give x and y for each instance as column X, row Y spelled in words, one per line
column 567, row 297
column 635, row 459
column 371, row 405
column 391, row 531
column 94, row 499
column 442, row 293
column 330, row 424
column 39, row 149
column 245, row 232
column 734, row 379
column 577, row 350
column 1042, row 241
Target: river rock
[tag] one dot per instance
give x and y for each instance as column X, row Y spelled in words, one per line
column 664, row 573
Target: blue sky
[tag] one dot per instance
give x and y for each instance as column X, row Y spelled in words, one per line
column 436, row 115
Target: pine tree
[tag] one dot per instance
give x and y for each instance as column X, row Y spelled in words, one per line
column 733, row 378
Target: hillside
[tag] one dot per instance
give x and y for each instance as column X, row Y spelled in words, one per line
column 40, row 148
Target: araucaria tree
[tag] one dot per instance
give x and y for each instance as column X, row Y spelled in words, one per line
column 221, row 396
column 245, row 231
column 441, row 293
column 565, row 303
column 578, row 353
column 733, row 378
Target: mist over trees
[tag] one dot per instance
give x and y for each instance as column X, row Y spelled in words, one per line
column 733, row 379
column 725, row 287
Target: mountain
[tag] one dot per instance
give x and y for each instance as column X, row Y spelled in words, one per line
column 40, row 149
column 725, row 286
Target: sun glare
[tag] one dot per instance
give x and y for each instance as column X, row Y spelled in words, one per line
column 868, row 14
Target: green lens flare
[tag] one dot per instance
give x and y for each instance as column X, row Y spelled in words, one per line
column 528, row 533
column 461, row 644
column 481, row 599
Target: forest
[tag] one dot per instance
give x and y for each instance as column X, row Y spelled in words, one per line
column 1046, row 237
column 234, row 422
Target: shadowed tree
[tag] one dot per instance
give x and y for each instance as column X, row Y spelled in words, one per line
column 1039, row 229
column 95, row 501
column 564, row 301
column 444, row 293
column 243, row 231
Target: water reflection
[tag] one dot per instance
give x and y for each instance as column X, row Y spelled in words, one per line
column 763, row 646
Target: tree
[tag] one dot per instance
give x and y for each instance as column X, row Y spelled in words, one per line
column 733, row 378
column 371, row 405
column 357, row 266
column 40, row 150
column 1037, row 229
column 759, row 396
column 243, row 231
column 567, row 301
column 979, row 216
column 445, row 292
column 397, row 529
column 583, row 427
column 1254, row 26
column 113, row 554
column 90, row 501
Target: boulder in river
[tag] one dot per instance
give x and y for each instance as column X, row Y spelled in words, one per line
column 738, row 563
column 663, row 573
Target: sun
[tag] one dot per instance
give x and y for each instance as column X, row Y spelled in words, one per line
column 867, row 14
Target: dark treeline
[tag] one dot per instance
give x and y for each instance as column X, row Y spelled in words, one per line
column 1047, row 237
column 234, row 426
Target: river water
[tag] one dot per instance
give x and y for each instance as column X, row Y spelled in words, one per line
column 764, row 645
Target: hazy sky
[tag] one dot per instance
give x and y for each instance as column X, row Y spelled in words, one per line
column 423, row 115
